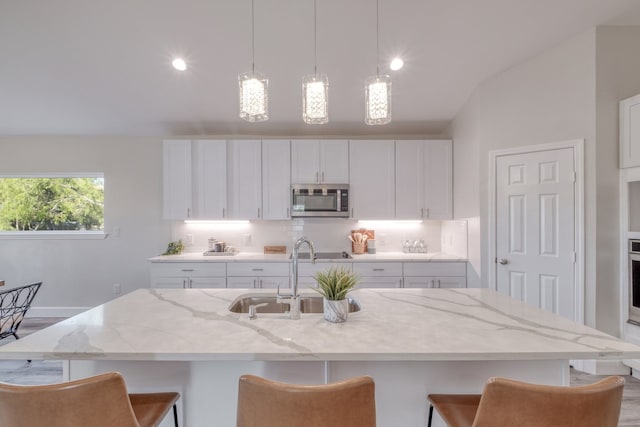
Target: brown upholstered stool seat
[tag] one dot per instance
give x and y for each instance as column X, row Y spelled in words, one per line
column 507, row 402
column 151, row 408
column 266, row 403
column 98, row 401
column 457, row 410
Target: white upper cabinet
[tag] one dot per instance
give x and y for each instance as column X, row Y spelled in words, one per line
column 276, row 179
column 319, row 161
column 424, row 180
column 630, row 132
column 372, row 183
column 176, row 179
column 244, row 174
column 209, row 179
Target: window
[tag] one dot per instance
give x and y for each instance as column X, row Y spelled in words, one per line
column 52, row 205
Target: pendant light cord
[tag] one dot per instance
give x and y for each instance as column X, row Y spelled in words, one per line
column 315, row 39
column 253, row 42
column 377, row 39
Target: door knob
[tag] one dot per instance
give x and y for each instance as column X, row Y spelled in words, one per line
column 503, row 261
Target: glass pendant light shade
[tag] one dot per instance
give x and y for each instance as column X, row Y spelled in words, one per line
column 254, row 97
column 315, row 99
column 378, row 100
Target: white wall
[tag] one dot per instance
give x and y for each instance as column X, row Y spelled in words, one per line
column 548, row 98
column 617, row 77
column 81, row 273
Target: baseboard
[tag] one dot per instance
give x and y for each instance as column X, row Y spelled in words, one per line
column 602, row 367
column 55, row 311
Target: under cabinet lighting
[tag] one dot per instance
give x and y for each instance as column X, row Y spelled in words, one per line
column 390, row 224
column 215, row 222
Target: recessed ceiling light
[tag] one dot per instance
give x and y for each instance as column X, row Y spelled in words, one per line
column 179, row 64
column 396, row 64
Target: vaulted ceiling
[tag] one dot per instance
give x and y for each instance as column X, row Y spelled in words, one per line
column 104, row 68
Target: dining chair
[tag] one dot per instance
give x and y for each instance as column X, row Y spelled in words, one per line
column 266, row 403
column 505, row 402
column 98, row 401
column 14, row 304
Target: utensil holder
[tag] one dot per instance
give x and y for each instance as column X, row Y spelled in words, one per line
column 358, row 248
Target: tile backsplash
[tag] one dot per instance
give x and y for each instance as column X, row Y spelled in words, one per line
column 328, row 234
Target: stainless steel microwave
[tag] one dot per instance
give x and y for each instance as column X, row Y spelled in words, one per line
column 320, row 200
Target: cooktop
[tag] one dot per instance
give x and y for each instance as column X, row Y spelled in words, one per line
column 323, row 255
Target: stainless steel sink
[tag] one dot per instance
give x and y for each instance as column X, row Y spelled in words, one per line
column 308, row 304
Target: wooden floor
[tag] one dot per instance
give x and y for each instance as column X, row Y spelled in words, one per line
column 50, row 371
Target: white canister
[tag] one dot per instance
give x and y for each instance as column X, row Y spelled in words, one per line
column 371, row 246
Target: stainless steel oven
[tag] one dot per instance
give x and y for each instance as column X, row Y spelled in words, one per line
column 634, row 281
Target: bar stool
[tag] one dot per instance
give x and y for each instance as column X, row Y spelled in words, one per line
column 507, row 402
column 98, row 401
column 266, row 403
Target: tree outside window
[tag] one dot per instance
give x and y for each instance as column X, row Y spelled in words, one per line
column 52, row 203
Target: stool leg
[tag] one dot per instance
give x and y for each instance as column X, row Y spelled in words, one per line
column 175, row 415
column 430, row 415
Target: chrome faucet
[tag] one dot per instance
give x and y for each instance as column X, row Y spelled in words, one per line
column 294, row 298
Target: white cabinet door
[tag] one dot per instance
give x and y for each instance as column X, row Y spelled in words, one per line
column 424, row 179
column 207, row 282
column 242, row 282
column 410, row 181
column 305, row 161
column 209, row 179
column 176, row 179
column 245, row 179
column 630, row 132
column 334, row 161
column 438, row 188
column 372, row 173
column 276, row 179
column 380, row 282
column 169, row 282
column 274, row 282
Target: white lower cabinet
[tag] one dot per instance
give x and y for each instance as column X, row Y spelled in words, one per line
column 189, row 275
column 435, row 274
column 379, row 274
column 306, row 271
column 259, row 275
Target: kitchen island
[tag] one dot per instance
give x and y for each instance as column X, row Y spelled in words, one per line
column 412, row 341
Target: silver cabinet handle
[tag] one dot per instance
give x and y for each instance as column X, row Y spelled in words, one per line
column 254, row 283
column 258, row 212
column 503, row 261
column 187, row 269
column 223, row 212
column 422, row 213
column 322, row 179
column 378, row 269
column 188, row 212
column 288, row 214
column 439, row 285
column 400, row 284
column 260, row 283
column 190, row 283
column 184, row 283
column 317, row 176
column 257, row 269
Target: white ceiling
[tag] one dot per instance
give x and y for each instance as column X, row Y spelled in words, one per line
column 94, row 68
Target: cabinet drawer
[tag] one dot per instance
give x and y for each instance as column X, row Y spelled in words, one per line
column 435, row 268
column 308, row 269
column 258, row 269
column 377, row 269
column 191, row 269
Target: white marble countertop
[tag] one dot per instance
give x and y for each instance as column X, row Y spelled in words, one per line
column 393, row 325
column 260, row 257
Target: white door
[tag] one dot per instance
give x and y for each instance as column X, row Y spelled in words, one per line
column 176, row 179
column 535, row 229
column 409, row 179
column 438, row 186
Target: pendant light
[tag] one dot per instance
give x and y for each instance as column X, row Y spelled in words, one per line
column 378, row 89
column 254, row 97
column 315, row 87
